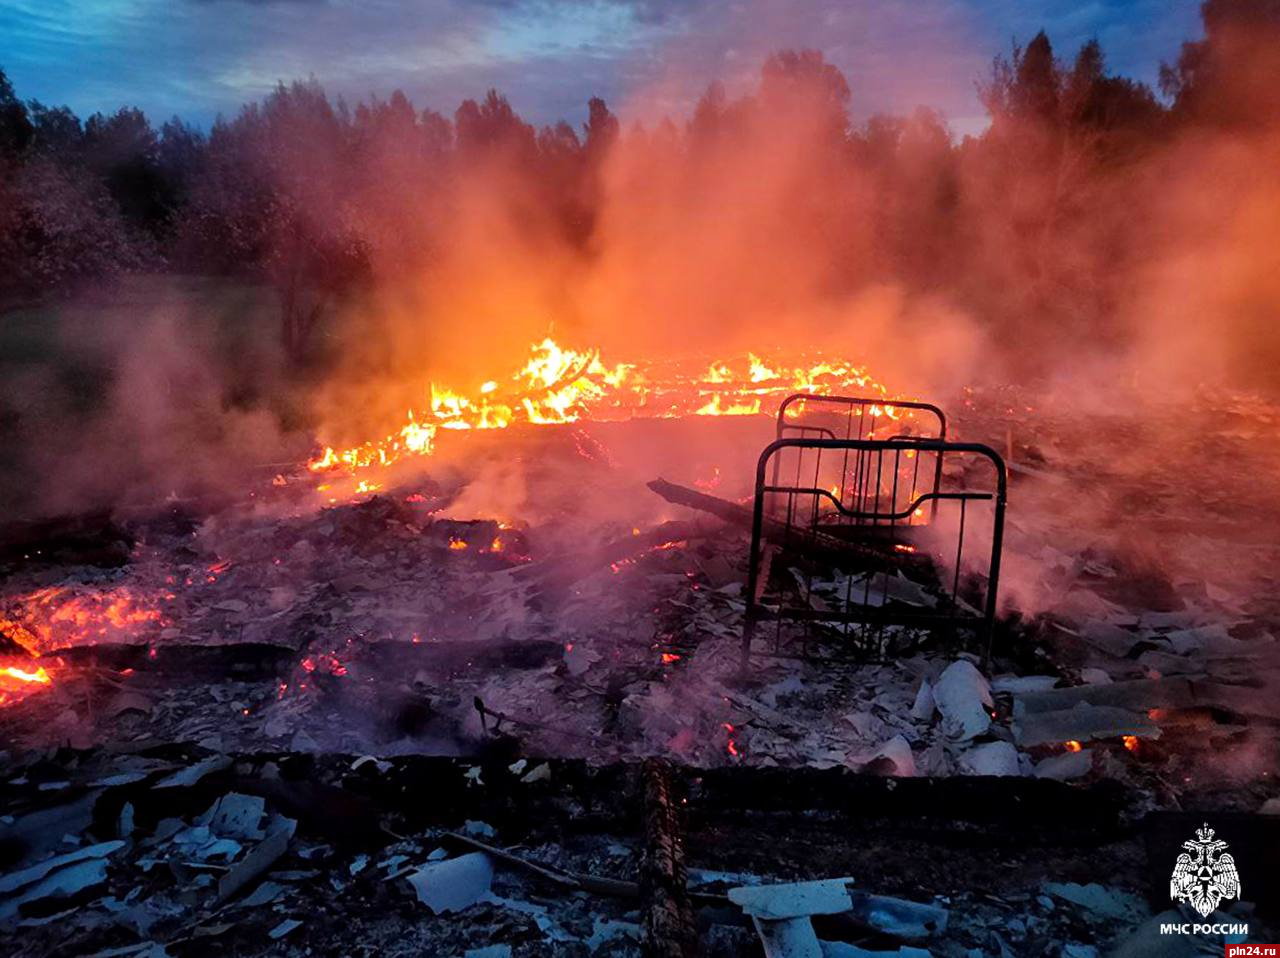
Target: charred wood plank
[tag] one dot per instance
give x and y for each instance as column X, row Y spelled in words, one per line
column 183, row 661
column 780, row 533
column 668, row 914
column 568, row 569
column 250, row 660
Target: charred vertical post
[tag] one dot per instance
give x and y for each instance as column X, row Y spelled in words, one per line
column 669, row 930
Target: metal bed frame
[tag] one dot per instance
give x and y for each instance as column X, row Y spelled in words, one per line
column 876, row 505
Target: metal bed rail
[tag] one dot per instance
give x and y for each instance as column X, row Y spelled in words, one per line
column 862, row 504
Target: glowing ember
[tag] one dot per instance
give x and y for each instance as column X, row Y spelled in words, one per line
column 559, row 385
column 731, row 746
column 17, row 682
column 1131, row 742
column 1072, row 746
column 61, row 616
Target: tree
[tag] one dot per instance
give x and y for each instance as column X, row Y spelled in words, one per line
column 314, row 252
column 56, row 131
column 491, row 126
column 710, row 114
column 792, row 80
column 61, row 227
column 123, row 150
column 16, row 130
column 1023, row 89
column 179, row 154
column 601, row 128
column 1229, row 77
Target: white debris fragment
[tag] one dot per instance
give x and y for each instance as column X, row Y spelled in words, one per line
column 264, row 894
column 236, row 816
column 794, row 899
column 924, row 706
column 489, row 951
column 899, row 917
column 58, row 877
column 192, row 774
column 1016, row 684
column 454, row 884
column 550, row 930
column 124, row 824
column 840, row 949
column 898, row 751
column 606, row 930
column 1099, row 899
column 1065, row 767
column 990, row 758
column 963, row 697
column 478, row 829
column 20, row 879
column 282, row 929
column 789, row 938
column 1076, row 950
column 539, row 773
column 363, row 760
column 1083, row 723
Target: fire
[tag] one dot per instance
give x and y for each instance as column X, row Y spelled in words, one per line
column 39, row 675
column 1131, row 742
column 17, row 683
column 759, row 371
column 715, row 408
column 62, row 616
column 559, row 385
column 1072, row 746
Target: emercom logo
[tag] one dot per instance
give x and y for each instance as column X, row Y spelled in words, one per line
column 1204, row 874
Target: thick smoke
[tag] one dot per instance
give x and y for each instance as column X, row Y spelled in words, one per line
column 1095, row 244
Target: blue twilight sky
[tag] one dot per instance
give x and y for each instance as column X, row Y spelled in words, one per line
column 198, row 58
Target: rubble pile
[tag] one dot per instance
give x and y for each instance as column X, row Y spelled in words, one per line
column 279, row 729
column 177, row 851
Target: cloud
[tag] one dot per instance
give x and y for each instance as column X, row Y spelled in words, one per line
column 198, row 58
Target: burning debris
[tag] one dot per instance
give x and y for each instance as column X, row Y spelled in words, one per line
column 391, row 627
column 558, row 386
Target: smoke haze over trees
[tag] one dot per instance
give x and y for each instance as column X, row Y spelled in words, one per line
column 1092, row 215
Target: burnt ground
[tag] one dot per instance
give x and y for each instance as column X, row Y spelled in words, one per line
column 280, row 638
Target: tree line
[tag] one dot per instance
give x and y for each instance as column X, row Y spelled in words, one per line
column 1037, row 216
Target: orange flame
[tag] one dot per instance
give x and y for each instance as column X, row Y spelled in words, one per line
column 558, row 385
column 17, row 683
column 39, row 676
column 61, row 616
